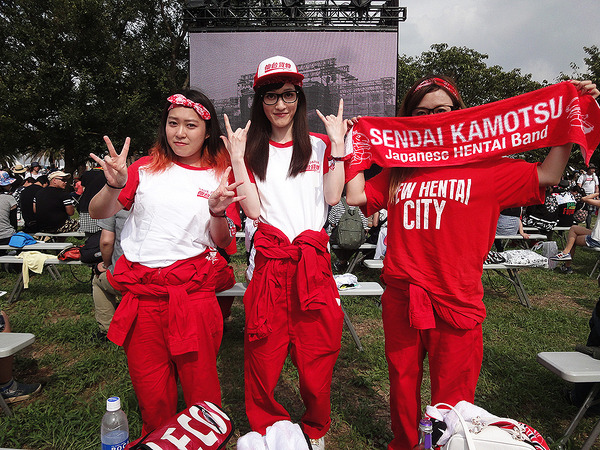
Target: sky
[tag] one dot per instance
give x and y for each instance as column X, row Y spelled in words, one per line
column 540, row 37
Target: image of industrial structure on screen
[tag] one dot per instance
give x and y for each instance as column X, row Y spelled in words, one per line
column 334, row 64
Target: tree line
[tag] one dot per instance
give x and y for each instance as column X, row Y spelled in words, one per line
column 72, row 71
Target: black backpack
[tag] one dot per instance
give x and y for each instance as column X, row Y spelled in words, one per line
column 349, row 234
column 90, row 251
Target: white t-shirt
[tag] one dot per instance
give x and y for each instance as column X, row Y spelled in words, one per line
column 596, row 232
column 588, row 183
column 296, row 204
column 169, row 215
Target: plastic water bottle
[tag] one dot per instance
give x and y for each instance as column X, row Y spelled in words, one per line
column 114, row 431
column 425, row 432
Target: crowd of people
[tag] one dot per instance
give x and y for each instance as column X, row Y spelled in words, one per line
column 168, row 220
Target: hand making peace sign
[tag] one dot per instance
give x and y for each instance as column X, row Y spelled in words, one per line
column 114, row 164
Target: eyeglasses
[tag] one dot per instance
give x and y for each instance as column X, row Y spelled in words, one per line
column 61, row 179
column 437, row 110
column 271, row 98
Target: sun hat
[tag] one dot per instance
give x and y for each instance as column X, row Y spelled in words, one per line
column 35, row 164
column 5, row 178
column 19, row 168
column 277, row 69
column 57, row 173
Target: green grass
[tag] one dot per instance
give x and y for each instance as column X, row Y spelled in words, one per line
column 79, row 371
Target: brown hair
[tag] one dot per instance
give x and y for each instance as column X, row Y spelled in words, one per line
column 410, row 102
column 259, row 134
column 213, row 152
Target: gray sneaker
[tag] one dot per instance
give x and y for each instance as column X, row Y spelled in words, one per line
column 560, row 256
column 17, row 392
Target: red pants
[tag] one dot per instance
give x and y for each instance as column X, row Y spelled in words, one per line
column 455, row 358
column 154, row 371
column 312, row 338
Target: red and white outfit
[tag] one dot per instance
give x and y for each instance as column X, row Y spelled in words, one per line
column 292, row 304
column 169, row 321
column 441, row 225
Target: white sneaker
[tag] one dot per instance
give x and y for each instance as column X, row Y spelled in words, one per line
column 318, row 444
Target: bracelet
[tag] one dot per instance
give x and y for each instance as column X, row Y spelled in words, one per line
column 214, row 215
column 340, row 158
column 114, row 187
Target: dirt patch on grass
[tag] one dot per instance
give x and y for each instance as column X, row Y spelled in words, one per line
column 560, row 300
column 62, row 314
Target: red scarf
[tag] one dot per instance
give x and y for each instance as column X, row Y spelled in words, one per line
column 555, row 115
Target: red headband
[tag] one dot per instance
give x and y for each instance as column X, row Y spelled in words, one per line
column 438, row 82
column 181, row 100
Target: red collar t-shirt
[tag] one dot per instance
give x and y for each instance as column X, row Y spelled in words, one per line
column 442, row 224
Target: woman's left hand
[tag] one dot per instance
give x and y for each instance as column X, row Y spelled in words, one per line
column 336, row 126
column 224, row 195
column 586, row 87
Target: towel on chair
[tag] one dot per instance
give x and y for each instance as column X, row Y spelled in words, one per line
column 33, row 261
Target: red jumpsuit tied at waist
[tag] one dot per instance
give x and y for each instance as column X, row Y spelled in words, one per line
column 423, row 308
column 306, row 260
column 175, row 284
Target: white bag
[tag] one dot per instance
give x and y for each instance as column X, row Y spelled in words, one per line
column 547, row 249
column 483, row 433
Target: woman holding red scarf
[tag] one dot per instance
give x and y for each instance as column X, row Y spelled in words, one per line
column 433, row 304
column 169, row 321
column 292, row 305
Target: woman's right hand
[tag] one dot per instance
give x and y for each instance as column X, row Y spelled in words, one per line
column 235, row 142
column 114, row 164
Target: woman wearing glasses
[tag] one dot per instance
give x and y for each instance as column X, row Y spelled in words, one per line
column 292, row 306
column 433, row 304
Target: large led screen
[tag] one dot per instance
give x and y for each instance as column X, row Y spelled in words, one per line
column 359, row 67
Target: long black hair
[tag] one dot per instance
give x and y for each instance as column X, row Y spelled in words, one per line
column 259, row 134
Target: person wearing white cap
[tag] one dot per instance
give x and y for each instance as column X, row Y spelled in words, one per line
column 292, row 305
column 53, row 206
column 8, row 208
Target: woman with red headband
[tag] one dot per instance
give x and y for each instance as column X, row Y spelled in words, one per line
column 292, row 305
column 433, row 304
column 182, row 207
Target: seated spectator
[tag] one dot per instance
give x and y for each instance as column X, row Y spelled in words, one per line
column 544, row 217
column 333, row 218
column 35, row 170
column 12, row 391
column 17, row 195
column 92, row 181
column 26, row 203
column 509, row 224
column 105, row 296
column 589, row 183
column 378, row 221
column 8, row 209
column 566, row 204
column 580, row 236
column 53, row 206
